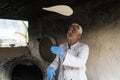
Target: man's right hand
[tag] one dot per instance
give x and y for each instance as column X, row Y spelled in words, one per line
column 50, row 73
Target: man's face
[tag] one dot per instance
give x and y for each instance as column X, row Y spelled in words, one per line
column 73, row 33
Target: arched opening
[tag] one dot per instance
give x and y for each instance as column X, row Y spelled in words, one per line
column 26, row 72
column 22, row 68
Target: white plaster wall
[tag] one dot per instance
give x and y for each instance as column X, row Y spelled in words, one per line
column 104, row 58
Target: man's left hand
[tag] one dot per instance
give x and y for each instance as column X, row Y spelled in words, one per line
column 57, row 50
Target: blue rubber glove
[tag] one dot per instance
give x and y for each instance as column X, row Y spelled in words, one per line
column 50, row 73
column 57, row 50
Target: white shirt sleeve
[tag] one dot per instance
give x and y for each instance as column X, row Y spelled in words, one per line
column 79, row 61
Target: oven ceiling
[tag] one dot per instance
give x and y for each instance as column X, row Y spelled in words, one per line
column 25, row 9
column 28, row 9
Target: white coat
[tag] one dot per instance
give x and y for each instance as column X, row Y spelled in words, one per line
column 73, row 65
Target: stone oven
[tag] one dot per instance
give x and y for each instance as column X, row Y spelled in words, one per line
column 21, row 63
column 22, row 68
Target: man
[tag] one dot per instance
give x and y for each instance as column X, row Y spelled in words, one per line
column 71, row 57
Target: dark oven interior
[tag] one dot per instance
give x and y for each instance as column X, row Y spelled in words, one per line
column 25, row 72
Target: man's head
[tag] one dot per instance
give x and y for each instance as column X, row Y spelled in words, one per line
column 74, row 33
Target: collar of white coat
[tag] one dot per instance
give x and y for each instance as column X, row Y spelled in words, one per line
column 74, row 46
